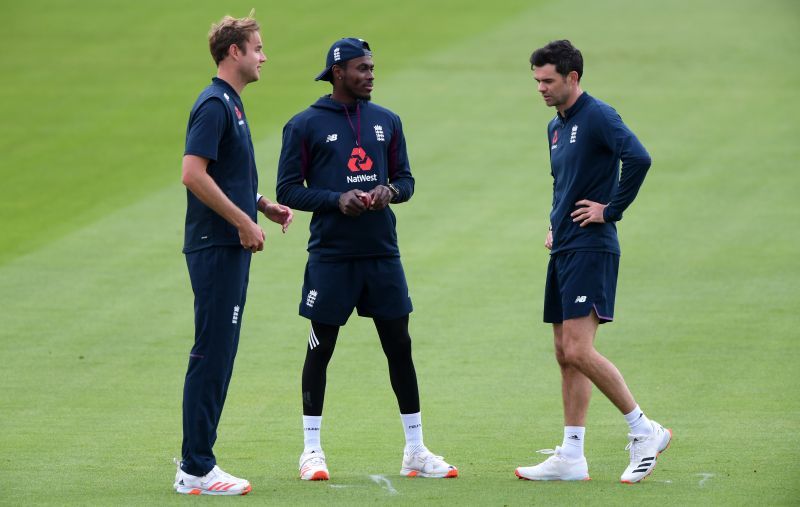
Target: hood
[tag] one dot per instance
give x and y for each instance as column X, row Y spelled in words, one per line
column 326, row 102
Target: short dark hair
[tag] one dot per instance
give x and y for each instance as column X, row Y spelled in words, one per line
column 562, row 54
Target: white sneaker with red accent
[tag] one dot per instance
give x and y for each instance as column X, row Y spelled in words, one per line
column 644, row 450
column 555, row 468
column 215, row 482
column 313, row 467
column 423, row 463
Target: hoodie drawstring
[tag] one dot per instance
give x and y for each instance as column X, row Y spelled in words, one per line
column 356, row 133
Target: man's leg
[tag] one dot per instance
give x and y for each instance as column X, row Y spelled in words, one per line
column 321, row 343
column 219, row 281
column 647, row 439
column 576, row 392
column 396, row 344
column 417, row 459
column 578, row 354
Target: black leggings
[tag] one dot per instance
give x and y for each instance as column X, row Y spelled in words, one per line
column 396, row 344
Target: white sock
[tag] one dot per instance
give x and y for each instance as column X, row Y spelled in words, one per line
column 412, row 426
column 638, row 422
column 311, row 428
column 572, row 446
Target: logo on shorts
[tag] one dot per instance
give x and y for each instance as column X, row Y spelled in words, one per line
column 312, row 296
column 235, row 318
column 580, row 299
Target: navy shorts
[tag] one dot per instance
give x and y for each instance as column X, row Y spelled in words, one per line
column 376, row 287
column 579, row 282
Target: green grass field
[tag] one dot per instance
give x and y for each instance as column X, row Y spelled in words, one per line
column 96, row 308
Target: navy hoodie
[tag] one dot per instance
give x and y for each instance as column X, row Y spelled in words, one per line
column 329, row 149
column 587, row 144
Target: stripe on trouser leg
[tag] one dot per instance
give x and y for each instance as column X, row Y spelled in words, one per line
column 313, row 341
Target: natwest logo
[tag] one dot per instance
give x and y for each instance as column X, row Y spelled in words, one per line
column 359, row 160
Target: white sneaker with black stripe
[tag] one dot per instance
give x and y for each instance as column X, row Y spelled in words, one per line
column 215, row 482
column 555, row 468
column 644, row 450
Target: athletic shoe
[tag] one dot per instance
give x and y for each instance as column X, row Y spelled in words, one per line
column 313, row 467
column 556, row 468
column 215, row 482
column 423, row 463
column 644, row 450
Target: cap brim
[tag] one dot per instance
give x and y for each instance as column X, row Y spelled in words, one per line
column 325, row 75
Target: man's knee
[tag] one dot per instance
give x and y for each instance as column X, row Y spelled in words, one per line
column 576, row 344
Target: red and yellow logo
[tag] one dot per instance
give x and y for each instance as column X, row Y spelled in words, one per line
column 359, row 160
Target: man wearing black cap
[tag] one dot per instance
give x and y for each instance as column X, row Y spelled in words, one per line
column 344, row 158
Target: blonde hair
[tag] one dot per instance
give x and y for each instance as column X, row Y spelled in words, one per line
column 229, row 31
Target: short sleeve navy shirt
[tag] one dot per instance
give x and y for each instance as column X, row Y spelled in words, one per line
column 218, row 131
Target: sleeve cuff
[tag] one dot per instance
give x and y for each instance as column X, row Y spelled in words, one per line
column 610, row 216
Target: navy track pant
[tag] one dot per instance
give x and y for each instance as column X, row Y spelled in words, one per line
column 219, row 277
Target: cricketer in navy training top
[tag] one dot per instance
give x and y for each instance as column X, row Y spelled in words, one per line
column 219, row 171
column 344, row 159
column 587, row 141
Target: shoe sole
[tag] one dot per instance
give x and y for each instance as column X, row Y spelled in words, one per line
column 451, row 474
column 319, row 475
column 655, row 462
column 199, row 491
column 516, row 472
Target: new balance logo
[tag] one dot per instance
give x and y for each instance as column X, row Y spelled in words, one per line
column 235, row 318
column 412, row 426
column 379, row 133
column 313, row 341
column 580, row 299
column 331, row 138
column 312, row 296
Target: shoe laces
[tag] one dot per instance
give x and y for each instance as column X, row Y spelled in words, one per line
column 314, row 459
column 425, row 456
column 554, row 452
column 635, row 445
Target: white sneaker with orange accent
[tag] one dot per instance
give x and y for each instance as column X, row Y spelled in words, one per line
column 423, row 463
column 555, row 468
column 215, row 482
column 644, row 450
column 313, row 467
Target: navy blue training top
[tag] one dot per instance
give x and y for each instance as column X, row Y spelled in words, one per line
column 329, row 149
column 587, row 144
column 218, row 131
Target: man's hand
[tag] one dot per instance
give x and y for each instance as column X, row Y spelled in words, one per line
column 351, row 203
column 381, row 196
column 590, row 213
column 251, row 236
column 278, row 213
column 548, row 241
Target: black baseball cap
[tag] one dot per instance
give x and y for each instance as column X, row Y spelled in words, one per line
column 341, row 51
